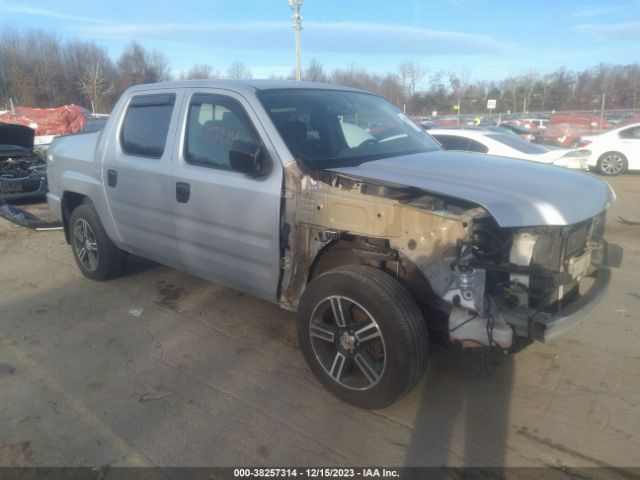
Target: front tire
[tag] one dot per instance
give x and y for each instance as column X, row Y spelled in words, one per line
column 95, row 254
column 612, row 163
column 362, row 335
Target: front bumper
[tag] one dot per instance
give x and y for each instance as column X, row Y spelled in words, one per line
column 23, row 188
column 546, row 327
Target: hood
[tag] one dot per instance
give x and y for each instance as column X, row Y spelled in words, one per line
column 516, row 193
column 18, row 135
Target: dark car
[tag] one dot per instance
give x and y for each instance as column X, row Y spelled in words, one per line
column 526, row 133
column 22, row 173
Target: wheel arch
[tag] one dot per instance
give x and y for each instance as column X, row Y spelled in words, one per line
column 71, row 201
column 351, row 250
column 376, row 253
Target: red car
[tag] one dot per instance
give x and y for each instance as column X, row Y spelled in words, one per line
column 566, row 130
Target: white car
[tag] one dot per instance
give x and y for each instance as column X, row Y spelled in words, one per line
column 535, row 123
column 504, row 144
column 615, row 151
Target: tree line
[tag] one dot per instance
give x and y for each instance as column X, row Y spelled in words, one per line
column 39, row 69
column 420, row 92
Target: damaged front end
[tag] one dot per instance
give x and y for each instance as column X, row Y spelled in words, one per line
column 490, row 248
column 480, row 284
column 22, row 172
column 533, row 283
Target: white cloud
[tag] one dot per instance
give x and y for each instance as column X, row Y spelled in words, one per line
column 625, row 30
column 460, row 3
column 596, row 11
column 337, row 37
column 45, row 12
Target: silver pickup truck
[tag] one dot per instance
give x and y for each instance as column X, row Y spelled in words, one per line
column 330, row 202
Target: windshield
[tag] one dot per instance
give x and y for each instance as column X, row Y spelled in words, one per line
column 518, row 143
column 329, row 128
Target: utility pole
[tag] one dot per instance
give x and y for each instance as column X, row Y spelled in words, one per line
column 297, row 26
column 602, row 111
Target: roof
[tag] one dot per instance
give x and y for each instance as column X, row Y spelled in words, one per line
column 624, row 127
column 469, row 132
column 244, row 85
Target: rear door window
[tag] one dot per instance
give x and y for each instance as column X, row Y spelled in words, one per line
column 477, row 147
column 453, row 142
column 146, row 125
column 632, row 133
column 518, row 143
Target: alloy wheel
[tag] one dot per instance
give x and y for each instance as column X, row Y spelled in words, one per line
column 348, row 343
column 612, row 164
column 85, row 245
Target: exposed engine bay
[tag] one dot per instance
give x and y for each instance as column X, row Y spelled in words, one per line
column 490, row 284
column 505, row 278
column 22, row 172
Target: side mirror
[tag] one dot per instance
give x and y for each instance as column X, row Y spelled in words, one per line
column 245, row 157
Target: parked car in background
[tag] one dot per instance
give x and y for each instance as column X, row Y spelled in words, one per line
column 535, row 123
column 22, row 172
column 48, row 122
column 506, row 144
column 614, row 152
column 566, row 130
column 525, row 133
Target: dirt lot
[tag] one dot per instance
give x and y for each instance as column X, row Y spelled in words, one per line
column 161, row 368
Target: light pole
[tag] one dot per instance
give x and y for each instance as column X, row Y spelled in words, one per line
column 604, row 96
column 297, row 26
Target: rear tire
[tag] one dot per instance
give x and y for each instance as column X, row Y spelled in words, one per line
column 95, row 254
column 612, row 163
column 362, row 335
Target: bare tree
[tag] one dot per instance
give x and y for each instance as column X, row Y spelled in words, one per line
column 158, row 68
column 94, row 86
column 390, row 88
column 136, row 66
column 132, row 66
column 416, row 74
column 200, row 71
column 78, row 57
column 459, row 86
column 411, row 74
column 510, row 88
column 238, row 71
column 561, row 89
column 41, row 69
column 527, row 82
column 314, row 72
column 634, row 76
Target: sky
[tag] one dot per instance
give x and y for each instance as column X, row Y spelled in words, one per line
column 483, row 39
